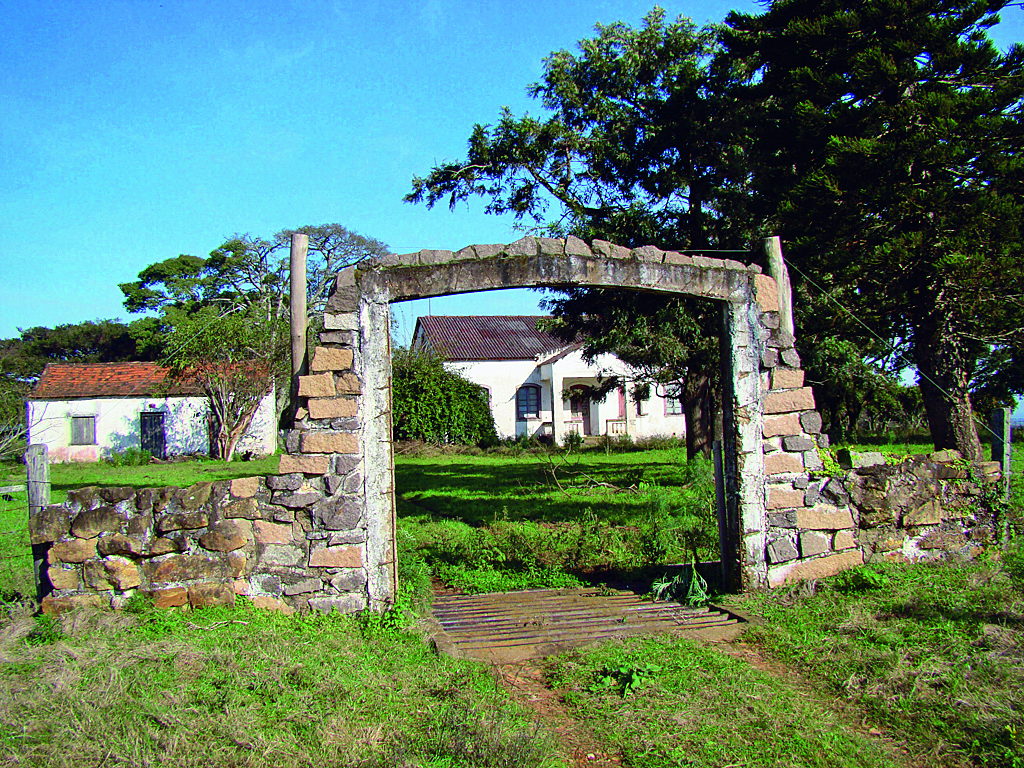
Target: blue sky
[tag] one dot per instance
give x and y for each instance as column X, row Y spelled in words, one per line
column 135, row 131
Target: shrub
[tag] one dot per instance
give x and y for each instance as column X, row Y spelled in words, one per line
column 432, row 403
column 129, row 457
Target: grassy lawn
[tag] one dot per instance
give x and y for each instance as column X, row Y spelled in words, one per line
column 535, row 519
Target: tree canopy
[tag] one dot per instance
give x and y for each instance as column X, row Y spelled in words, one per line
column 880, row 139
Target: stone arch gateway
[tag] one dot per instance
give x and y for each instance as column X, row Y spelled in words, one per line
column 777, row 530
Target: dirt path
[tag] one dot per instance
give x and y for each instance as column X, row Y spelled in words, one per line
column 525, row 682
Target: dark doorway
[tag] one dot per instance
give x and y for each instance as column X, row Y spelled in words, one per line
column 152, row 432
column 579, row 407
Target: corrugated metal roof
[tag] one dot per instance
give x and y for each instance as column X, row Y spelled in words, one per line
column 487, row 337
column 61, row 381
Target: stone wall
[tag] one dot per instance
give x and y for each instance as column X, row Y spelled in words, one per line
column 277, row 540
column 925, row 507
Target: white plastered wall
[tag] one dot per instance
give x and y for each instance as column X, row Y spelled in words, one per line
column 117, row 426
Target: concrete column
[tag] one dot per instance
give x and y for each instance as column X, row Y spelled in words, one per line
column 373, row 365
column 557, row 414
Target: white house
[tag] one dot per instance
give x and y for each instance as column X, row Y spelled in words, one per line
column 84, row 412
column 526, row 371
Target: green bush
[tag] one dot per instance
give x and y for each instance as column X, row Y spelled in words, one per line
column 432, row 403
column 129, row 457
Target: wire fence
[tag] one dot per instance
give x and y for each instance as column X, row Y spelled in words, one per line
column 17, row 581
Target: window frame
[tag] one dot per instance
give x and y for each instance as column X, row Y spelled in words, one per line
column 89, row 436
column 523, row 397
column 678, row 410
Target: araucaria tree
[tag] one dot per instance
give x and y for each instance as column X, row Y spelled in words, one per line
column 888, row 145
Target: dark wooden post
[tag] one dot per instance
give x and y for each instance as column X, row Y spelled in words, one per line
column 1002, row 438
column 38, row 465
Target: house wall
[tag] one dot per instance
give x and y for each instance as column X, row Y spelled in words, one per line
column 503, row 378
column 117, row 426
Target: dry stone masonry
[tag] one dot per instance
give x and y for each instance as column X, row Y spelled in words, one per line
column 320, row 534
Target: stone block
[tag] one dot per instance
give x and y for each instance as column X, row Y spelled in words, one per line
column 843, row 540
column 49, row 524
column 116, row 494
column 268, row 583
column 223, row 536
column 576, row 247
column 786, row 519
column 64, row 578
column 303, row 587
column 338, row 513
column 834, row 492
column 296, row 500
column 84, row 497
column 237, row 562
column 163, row 546
column 92, row 522
column 74, row 551
column 119, row 544
column 52, row 605
column 766, row 291
column 309, row 465
column 787, row 378
column 345, row 338
column 781, row 551
column 271, row 533
column 785, row 498
column 789, row 401
column 331, row 359
column 790, row 358
column 945, row 456
column 248, row 509
column 852, row 460
column 290, row 482
column 122, row 573
column 824, row 517
column 172, row 597
column 267, row 603
column 341, row 321
column 947, row 541
column 770, row 358
column 781, row 463
column 281, row 554
column 609, row 250
column 317, row 385
column 524, row 246
column 929, row 513
column 648, row 253
column 551, row 246
column 818, row 568
column 181, row 521
column 139, row 526
column 351, row 602
column 330, row 442
column 810, row 422
column 185, row 568
column 245, row 487
column 332, row 408
column 798, row 443
column 350, row 556
column 195, row 496
column 813, row 543
column 787, row 424
column 210, row 594
column 349, row 580
column 812, row 461
column 811, row 495
column 347, row 537
column 348, row 384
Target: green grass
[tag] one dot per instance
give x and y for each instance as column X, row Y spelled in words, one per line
column 501, row 522
column 934, row 651
column 241, row 687
column 665, row 701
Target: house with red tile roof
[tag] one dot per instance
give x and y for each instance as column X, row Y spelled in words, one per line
column 87, row 411
column 526, row 372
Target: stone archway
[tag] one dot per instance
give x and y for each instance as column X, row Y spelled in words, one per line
column 776, row 528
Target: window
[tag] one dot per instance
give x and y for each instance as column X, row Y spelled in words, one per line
column 641, row 406
column 673, row 406
column 83, row 430
column 528, row 402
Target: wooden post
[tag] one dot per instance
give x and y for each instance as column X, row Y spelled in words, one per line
column 299, row 321
column 723, row 524
column 777, row 269
column 38, row 465
column 1002, row 438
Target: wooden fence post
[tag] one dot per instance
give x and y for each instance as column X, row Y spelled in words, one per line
column 38, row 465
column 1002, row 437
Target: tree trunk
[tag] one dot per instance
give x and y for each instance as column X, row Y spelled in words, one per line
column 699, row 411
column 943, row 365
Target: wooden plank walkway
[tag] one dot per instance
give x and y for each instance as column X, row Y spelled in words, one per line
column 508, row 627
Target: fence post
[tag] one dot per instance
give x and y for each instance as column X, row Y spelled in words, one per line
column 38, row 465
column 1002, row 437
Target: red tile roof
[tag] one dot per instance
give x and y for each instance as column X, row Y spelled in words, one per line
column 67, row 381
column 487, row 337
